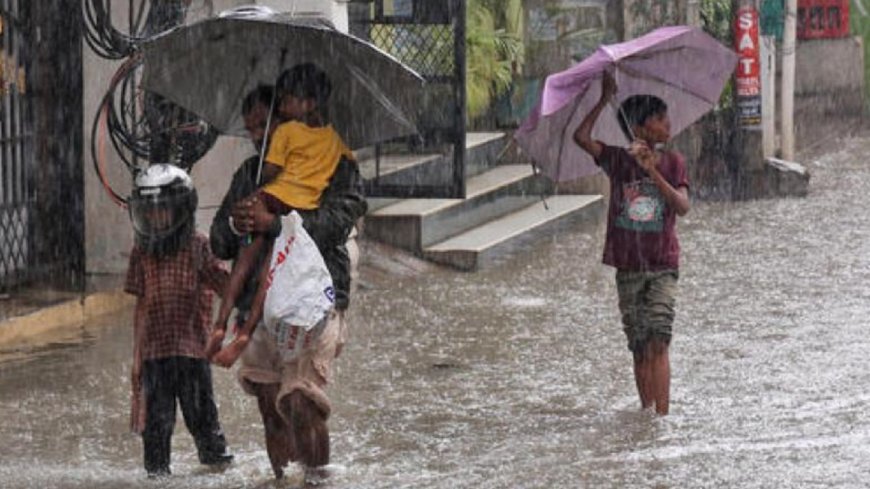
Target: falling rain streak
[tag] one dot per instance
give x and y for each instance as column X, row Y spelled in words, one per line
column 518, row 377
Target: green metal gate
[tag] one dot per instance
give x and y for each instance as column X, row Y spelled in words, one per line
column 428, row 36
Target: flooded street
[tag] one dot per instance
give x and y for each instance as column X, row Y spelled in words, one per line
column 518, row 376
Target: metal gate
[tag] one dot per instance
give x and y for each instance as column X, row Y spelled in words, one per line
column 428, row 36
column 41, row 185
column 16, row 143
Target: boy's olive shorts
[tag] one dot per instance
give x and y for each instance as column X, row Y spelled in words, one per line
column 646, row 301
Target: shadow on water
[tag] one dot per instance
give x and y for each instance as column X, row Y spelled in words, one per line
column 518, row 376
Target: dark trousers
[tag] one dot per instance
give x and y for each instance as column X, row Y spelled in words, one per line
column 188, row 380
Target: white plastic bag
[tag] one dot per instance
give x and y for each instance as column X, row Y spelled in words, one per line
column 299, row 294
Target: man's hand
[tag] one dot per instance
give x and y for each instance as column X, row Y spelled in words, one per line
column 251, row 216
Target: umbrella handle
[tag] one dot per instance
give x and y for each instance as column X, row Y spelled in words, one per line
column 617, row 108
column 621, row 114
column 265, row 143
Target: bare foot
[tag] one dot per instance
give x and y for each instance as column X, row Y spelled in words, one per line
column 315, row 476
column 215, row 341
column 230, row 353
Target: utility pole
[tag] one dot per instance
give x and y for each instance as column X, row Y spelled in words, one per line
column 768, row 96
column 748, row 74
column 788, row 73
column 747, row 160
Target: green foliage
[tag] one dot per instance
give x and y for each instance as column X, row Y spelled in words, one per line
column 494, row 50
column 649, row 14
column 716, row 19
column 859, row 25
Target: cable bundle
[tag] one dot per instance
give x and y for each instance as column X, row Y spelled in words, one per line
column 140, row 124
column 111, row 43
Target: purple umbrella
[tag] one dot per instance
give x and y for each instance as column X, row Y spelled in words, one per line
column 682, row 65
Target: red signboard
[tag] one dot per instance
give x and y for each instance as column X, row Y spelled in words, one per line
column 748, row 77
column 746, row 40
column 820, row 19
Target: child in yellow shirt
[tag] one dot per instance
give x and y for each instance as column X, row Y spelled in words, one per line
column 303, row 154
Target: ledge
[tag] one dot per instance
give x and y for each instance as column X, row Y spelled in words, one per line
column 62, row 316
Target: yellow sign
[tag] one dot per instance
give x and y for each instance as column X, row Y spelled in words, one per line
column 11, row 74
column 2, row 73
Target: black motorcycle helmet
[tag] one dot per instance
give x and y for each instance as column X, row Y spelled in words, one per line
column 162, row 208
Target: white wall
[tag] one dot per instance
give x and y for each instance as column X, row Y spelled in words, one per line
column 336, row 10
column 108, row 234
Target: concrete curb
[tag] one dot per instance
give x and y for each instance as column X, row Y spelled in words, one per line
column 72, row 313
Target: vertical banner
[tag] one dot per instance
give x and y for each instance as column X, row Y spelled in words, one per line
column 748, row 77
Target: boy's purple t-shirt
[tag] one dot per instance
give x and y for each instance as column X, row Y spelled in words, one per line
column 641, row 227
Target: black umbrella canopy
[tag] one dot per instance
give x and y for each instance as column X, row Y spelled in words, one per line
column 208, row 67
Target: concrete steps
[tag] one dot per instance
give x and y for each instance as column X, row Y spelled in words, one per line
column 481, row 152
column 480, row 246
column 501, row 211
column 413, row 224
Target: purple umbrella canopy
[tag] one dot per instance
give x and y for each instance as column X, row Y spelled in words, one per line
column 682, row 65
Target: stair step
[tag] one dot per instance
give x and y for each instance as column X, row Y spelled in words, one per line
column 392, row 164
column 479, row 138
column 477, row 247
column 376, row 203
column 481, row 152
column 415, row 223
column 474, row 187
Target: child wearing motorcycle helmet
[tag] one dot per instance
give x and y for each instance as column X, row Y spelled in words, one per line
column 172, row 273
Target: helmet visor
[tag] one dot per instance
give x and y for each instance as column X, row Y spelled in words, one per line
column 156, row 215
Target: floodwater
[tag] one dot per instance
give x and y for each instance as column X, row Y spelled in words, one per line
column 518, row 376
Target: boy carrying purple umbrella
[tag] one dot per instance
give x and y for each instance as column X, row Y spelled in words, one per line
column 648, row 190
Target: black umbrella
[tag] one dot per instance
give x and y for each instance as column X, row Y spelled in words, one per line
column 208, row 67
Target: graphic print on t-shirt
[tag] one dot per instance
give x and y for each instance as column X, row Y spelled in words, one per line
column 642, row 207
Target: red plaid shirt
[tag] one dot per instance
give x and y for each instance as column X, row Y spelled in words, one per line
column 175, row 298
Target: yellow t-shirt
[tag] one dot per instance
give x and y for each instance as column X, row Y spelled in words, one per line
column 308, row 157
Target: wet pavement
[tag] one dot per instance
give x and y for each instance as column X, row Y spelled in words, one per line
column 518, row 376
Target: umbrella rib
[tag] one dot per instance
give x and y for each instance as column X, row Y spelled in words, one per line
column 385, row 101
column 243, row 61
column 647, row 76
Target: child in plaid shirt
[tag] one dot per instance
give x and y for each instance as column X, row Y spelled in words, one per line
column 172, row 273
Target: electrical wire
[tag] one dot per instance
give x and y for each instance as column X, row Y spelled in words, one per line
column 111, row 43
column 105, row 122
column 101, row 35
column 160, row 131
column 139, row 125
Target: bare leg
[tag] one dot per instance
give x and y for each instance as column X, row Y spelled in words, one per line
column 643, row 377
column 660, row 371
column 241, row 270
column 310, row 433
column 279, row 442
column 229, row 354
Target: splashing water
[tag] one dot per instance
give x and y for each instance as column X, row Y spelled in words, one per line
column 768, row 370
